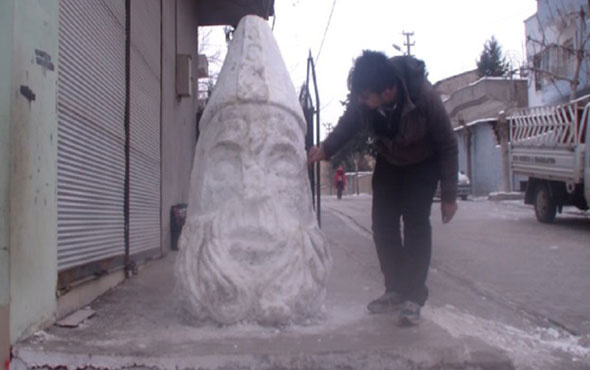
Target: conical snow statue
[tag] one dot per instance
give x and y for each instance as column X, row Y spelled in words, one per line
column 251, row 249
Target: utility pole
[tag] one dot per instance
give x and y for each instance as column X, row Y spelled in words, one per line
column 504, row 132
column 328, row 126
column 408, row 44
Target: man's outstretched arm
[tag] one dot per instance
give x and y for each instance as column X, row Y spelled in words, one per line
column 347, row 126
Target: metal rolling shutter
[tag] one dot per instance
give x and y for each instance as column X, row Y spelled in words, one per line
column 91, row 106
column 144, row 208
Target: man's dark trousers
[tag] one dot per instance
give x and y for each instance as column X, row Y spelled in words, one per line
column 404, row 193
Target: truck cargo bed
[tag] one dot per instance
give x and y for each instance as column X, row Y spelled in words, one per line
column 548, row 142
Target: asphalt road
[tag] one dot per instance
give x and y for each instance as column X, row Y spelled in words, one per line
column 499, row 275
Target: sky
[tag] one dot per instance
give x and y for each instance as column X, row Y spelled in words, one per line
column 448, row 35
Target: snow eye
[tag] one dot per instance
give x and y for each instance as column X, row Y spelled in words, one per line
column 225, row 164
column 284, row 160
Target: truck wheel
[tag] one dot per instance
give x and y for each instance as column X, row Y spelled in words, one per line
column 545, row 207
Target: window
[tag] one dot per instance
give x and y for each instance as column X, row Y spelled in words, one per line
column 556, row 60
column 566, row 58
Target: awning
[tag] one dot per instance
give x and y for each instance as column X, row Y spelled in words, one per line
column 229, row 12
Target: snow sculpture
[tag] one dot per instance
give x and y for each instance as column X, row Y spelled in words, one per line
column 251, row 249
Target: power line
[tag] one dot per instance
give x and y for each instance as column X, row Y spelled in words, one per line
column 325, row 31
column 327, row 104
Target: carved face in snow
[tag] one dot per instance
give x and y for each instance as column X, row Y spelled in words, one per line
column 255, row 155
column 251, row 249
column 254, row 180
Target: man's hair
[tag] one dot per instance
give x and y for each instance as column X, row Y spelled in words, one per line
column 372, row 72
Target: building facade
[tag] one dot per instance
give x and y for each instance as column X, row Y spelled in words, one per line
column 480, row 156
column 473, row 107
column 555, row 35
column 98, row 124
column 447, row 86
column 485, row 98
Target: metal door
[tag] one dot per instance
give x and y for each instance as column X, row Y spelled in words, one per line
column 91, row 109
column 144, row 204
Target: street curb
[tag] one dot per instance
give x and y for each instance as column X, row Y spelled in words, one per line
column 366, row 360
column 505, row 196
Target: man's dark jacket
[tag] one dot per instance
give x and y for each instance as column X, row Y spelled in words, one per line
column 416, row 131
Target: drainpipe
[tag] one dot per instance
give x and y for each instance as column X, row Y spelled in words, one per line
column 162, row 119
column 468, row 137
column 128, row 264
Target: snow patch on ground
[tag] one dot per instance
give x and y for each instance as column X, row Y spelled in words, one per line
column 528, row 349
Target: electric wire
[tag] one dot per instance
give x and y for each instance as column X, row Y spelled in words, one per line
column 325, row 32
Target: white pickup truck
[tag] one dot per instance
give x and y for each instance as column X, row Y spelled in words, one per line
column 551, row 146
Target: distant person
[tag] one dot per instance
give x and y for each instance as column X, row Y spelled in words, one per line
column 416, row 147
column 339, row 181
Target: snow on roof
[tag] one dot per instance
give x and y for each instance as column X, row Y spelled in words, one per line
column 491, row 78
column 476, row 122
column 446, row 79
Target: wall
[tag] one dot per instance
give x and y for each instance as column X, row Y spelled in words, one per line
column 6, row 28
column 486, row 159
column 33, row 169
column 462, row 146
column 485, row 98
column 446, row 86
column 178, row 115
column 365, row 185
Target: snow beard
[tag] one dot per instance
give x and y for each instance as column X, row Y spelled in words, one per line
column 251, row 262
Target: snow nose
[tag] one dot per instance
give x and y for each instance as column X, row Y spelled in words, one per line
column 254, row 182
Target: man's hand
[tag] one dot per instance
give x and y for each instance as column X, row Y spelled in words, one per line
column 316, row 154
column 448, row 209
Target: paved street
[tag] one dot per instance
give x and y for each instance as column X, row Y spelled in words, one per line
column 506, row 292
column 500, row 276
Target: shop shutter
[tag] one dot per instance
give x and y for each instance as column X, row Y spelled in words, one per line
column 144, row 208
column 91, row 111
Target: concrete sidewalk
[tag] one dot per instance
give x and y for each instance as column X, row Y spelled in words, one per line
column 137, row 326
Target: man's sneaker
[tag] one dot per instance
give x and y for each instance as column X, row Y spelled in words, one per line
column 409, row 314
column 388, row 302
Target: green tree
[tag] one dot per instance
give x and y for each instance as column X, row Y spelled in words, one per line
column 491, row 61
